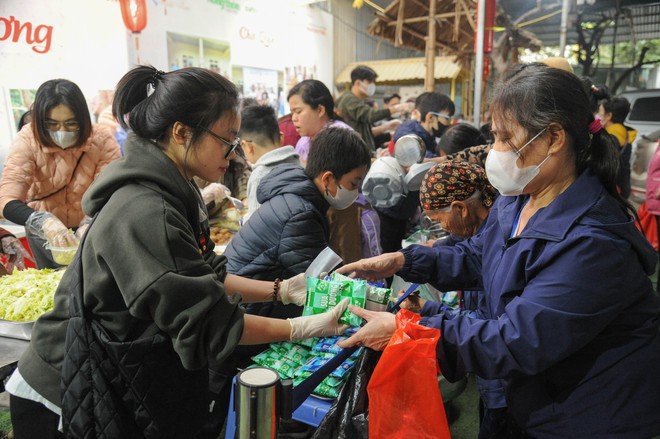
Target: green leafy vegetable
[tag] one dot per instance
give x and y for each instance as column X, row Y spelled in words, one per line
column 27, row 294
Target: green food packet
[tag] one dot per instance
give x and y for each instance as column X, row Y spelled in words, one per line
column 298, row 354
column 341, row 277
column 325, row 390
column 323, row 295
column 297, row 380
column 300, row 373
column 282, row 347
column 332, row 381
column 308, row 342
column 272, row 359
column 266, row 357
column 376, row 297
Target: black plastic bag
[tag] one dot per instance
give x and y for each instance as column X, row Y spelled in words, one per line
column 348, row 417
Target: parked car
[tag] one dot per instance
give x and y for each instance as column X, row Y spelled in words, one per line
column 644, row 116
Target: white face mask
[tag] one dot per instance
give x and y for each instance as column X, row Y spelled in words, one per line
column 505, row 175
column 369, row 88
column 64, row 139
column 343, row 199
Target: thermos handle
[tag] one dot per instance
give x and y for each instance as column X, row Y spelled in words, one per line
column 285, row 399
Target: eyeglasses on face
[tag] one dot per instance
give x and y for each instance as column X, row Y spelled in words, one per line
column 69, row 125
column 444, row 116
column 233, row 146
column 518, row 151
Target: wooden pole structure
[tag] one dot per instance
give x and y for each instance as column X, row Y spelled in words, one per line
column 479, row 64
column 429, row 81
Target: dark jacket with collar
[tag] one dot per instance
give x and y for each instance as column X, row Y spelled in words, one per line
column 148, row 266
column 574, row 326
column 285, row 234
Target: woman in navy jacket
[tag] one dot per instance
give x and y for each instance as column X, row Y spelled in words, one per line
column 574, row 327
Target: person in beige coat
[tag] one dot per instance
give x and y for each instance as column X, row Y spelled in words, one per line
column 52, row 162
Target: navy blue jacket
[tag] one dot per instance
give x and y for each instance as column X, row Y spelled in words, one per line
column 284, row 235
column 574, row 326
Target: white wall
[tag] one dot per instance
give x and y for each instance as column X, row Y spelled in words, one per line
column 87, row 46
column 91, row 46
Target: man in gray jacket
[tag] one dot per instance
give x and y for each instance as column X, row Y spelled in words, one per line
column 261, row 141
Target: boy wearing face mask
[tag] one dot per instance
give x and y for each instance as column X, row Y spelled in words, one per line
column 429, row 120
column 351, row 105
column 52, row 162
column 290, row 228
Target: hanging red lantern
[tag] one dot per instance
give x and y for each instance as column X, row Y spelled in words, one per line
column 134, row 14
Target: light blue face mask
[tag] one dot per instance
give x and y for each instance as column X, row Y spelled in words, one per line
column 505, row 175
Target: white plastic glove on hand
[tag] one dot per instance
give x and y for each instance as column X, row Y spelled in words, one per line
column 12, row 247
column 294, row 290
column 319, row 325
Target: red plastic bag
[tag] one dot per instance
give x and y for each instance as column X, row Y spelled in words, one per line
column 649, row 225
column 404, row 396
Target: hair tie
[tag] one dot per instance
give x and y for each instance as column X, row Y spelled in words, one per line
column 158, row 75
column 595, row 126
column 151, row 86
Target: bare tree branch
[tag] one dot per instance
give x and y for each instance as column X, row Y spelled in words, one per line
column 637, row 66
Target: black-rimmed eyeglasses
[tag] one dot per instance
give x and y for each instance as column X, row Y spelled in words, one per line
column 233, row 146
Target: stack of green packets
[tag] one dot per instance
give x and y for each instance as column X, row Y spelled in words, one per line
column 324, row 294
column 377, row 296
column 298, row 360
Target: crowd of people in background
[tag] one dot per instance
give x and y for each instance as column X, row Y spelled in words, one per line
column 534, row 202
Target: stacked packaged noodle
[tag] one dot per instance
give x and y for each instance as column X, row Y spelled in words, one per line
column 298, row 360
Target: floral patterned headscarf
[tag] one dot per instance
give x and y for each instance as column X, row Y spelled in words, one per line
column 455, row 180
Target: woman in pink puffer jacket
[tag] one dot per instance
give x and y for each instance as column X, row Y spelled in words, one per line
column 52, row 162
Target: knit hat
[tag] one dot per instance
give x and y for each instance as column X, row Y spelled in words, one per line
column 454, row 180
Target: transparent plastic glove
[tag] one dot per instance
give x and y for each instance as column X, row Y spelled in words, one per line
column 83, row 226
column 294, row 290
column 215, row 192
column 319, row 325
column 12, row 247
column 47, row 226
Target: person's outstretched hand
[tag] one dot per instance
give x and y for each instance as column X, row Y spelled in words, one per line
column 375, row 334
column 319, row 325
column 375, row 268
